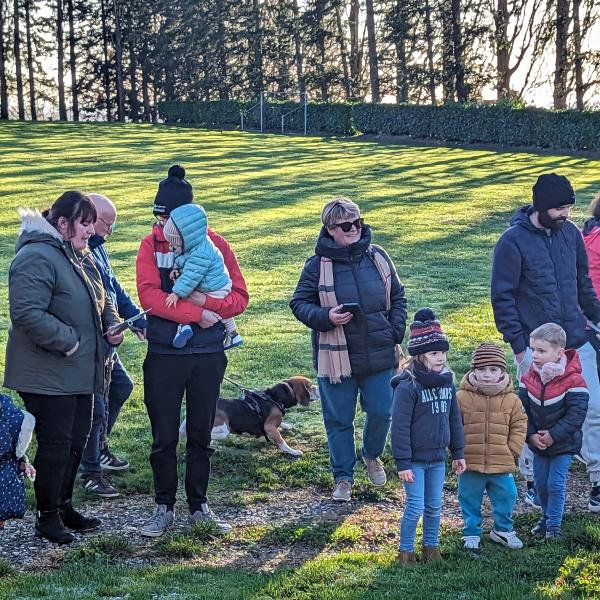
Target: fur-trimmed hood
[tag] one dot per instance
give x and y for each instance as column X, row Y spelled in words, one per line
column 35, row 228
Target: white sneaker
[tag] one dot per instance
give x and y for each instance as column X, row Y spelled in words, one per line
column 375, row 471
column 506, row 538
column 342, row 492
column 205, row 515
column 159, row 522
column 471, row 542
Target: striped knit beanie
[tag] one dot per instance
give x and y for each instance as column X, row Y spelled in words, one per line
column 172, row 234
column 488, row 355
column 426, row 334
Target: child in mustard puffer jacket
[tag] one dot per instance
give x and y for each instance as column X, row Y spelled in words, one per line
column 495, row 427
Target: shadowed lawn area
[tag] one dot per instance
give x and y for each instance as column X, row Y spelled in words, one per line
column 437, row 211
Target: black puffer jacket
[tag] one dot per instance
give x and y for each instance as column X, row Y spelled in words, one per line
column 539, row 278
column 371, row 335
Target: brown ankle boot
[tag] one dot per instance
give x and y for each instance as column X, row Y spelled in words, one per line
column 431, row 553
column 406, row 558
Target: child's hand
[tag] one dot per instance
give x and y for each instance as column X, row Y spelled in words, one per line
column 545, row 437
column 536, row 440
column 172, row 300
column 174, row 274
column 459, row 466
column 407, row 476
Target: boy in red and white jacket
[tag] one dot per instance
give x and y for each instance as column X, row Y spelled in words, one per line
column 555, row 398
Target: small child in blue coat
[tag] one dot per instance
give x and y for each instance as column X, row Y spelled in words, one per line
column 199, row 266
column 16, row 429
column 426, row 421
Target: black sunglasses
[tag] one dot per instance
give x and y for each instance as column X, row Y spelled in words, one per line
column 346, row 226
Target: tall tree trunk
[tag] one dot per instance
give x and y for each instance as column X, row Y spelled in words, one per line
column 503, row 73
column 401, row 72
column 119, row 61
column 62, row 106
column 373, row 62
column 258, row 81
column 343, row 50
column 448, row 70
column 355, row 49
column 299, row 60
column 458, row 54
column 3, row 82
column 430, row 59
column 145, row 82
column 578, row 57
column 74, row 91
column 320, row 15
column 222, row 60
column 561, row 71
column 105, row 64
column 17, row 50
column 32, row 107
column 134, row 104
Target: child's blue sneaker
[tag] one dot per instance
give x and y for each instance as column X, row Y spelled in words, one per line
column 532, row 499
column 232, row 341
column 183, row 336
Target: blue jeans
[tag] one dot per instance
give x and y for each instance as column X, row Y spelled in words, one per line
column 502, row 492
column 550, row 478
column 338, row 403
column 423, row 497
column 105, row 415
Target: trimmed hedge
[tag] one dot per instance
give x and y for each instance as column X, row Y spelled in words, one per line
column 322, row 118
column 215, row 114
column 568, row 130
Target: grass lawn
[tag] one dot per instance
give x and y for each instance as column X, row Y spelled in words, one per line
column 437, row 211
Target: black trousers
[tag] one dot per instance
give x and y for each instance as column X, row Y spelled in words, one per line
column 166, row 378
column 62, row 425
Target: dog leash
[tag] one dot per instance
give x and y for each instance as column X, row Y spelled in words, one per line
column 239, row 385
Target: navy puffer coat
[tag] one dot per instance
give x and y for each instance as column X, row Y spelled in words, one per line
column 540, row 277
column 371, row 335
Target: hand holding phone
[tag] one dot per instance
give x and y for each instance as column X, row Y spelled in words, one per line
column 350, row 307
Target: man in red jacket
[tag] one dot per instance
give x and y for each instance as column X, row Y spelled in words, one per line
column 196, row 369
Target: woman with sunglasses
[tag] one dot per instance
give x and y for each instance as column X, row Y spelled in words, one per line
column 351, row 298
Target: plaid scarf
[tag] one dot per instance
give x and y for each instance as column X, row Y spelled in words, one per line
column 333, row 360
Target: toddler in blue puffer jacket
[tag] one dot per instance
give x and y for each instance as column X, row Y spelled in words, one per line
column 16, row 429
column 199, row 266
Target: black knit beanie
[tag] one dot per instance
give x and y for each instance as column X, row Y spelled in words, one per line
column 551, row 191
column 426, row 334
column 173, row 192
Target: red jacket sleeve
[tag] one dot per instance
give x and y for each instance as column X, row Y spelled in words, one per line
column 151, row 294
column 236, row 301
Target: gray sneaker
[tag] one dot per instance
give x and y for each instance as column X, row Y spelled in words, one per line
column 205, row 515
column 375, row 471
column 159, row 522
column 342, row 492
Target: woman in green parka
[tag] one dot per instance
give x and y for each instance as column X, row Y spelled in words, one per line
column 55, row 355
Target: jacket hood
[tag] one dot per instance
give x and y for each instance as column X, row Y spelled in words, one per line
column 572, row 370
column 589, row 225
column 95, row 241
column 521, row 218
column 327, row 247
column 467, row 386
column 35, row 228
column 404, row 375
column 192, row 223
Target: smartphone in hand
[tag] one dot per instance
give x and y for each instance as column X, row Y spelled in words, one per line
column 351, row 307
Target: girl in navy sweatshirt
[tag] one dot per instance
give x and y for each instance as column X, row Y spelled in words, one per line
column 426, row 421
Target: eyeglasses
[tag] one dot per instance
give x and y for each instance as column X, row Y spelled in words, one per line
column 109, row 226
column 346, row 226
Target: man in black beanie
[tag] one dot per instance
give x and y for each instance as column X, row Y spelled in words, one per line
column 540, row 275
column 553, row 197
